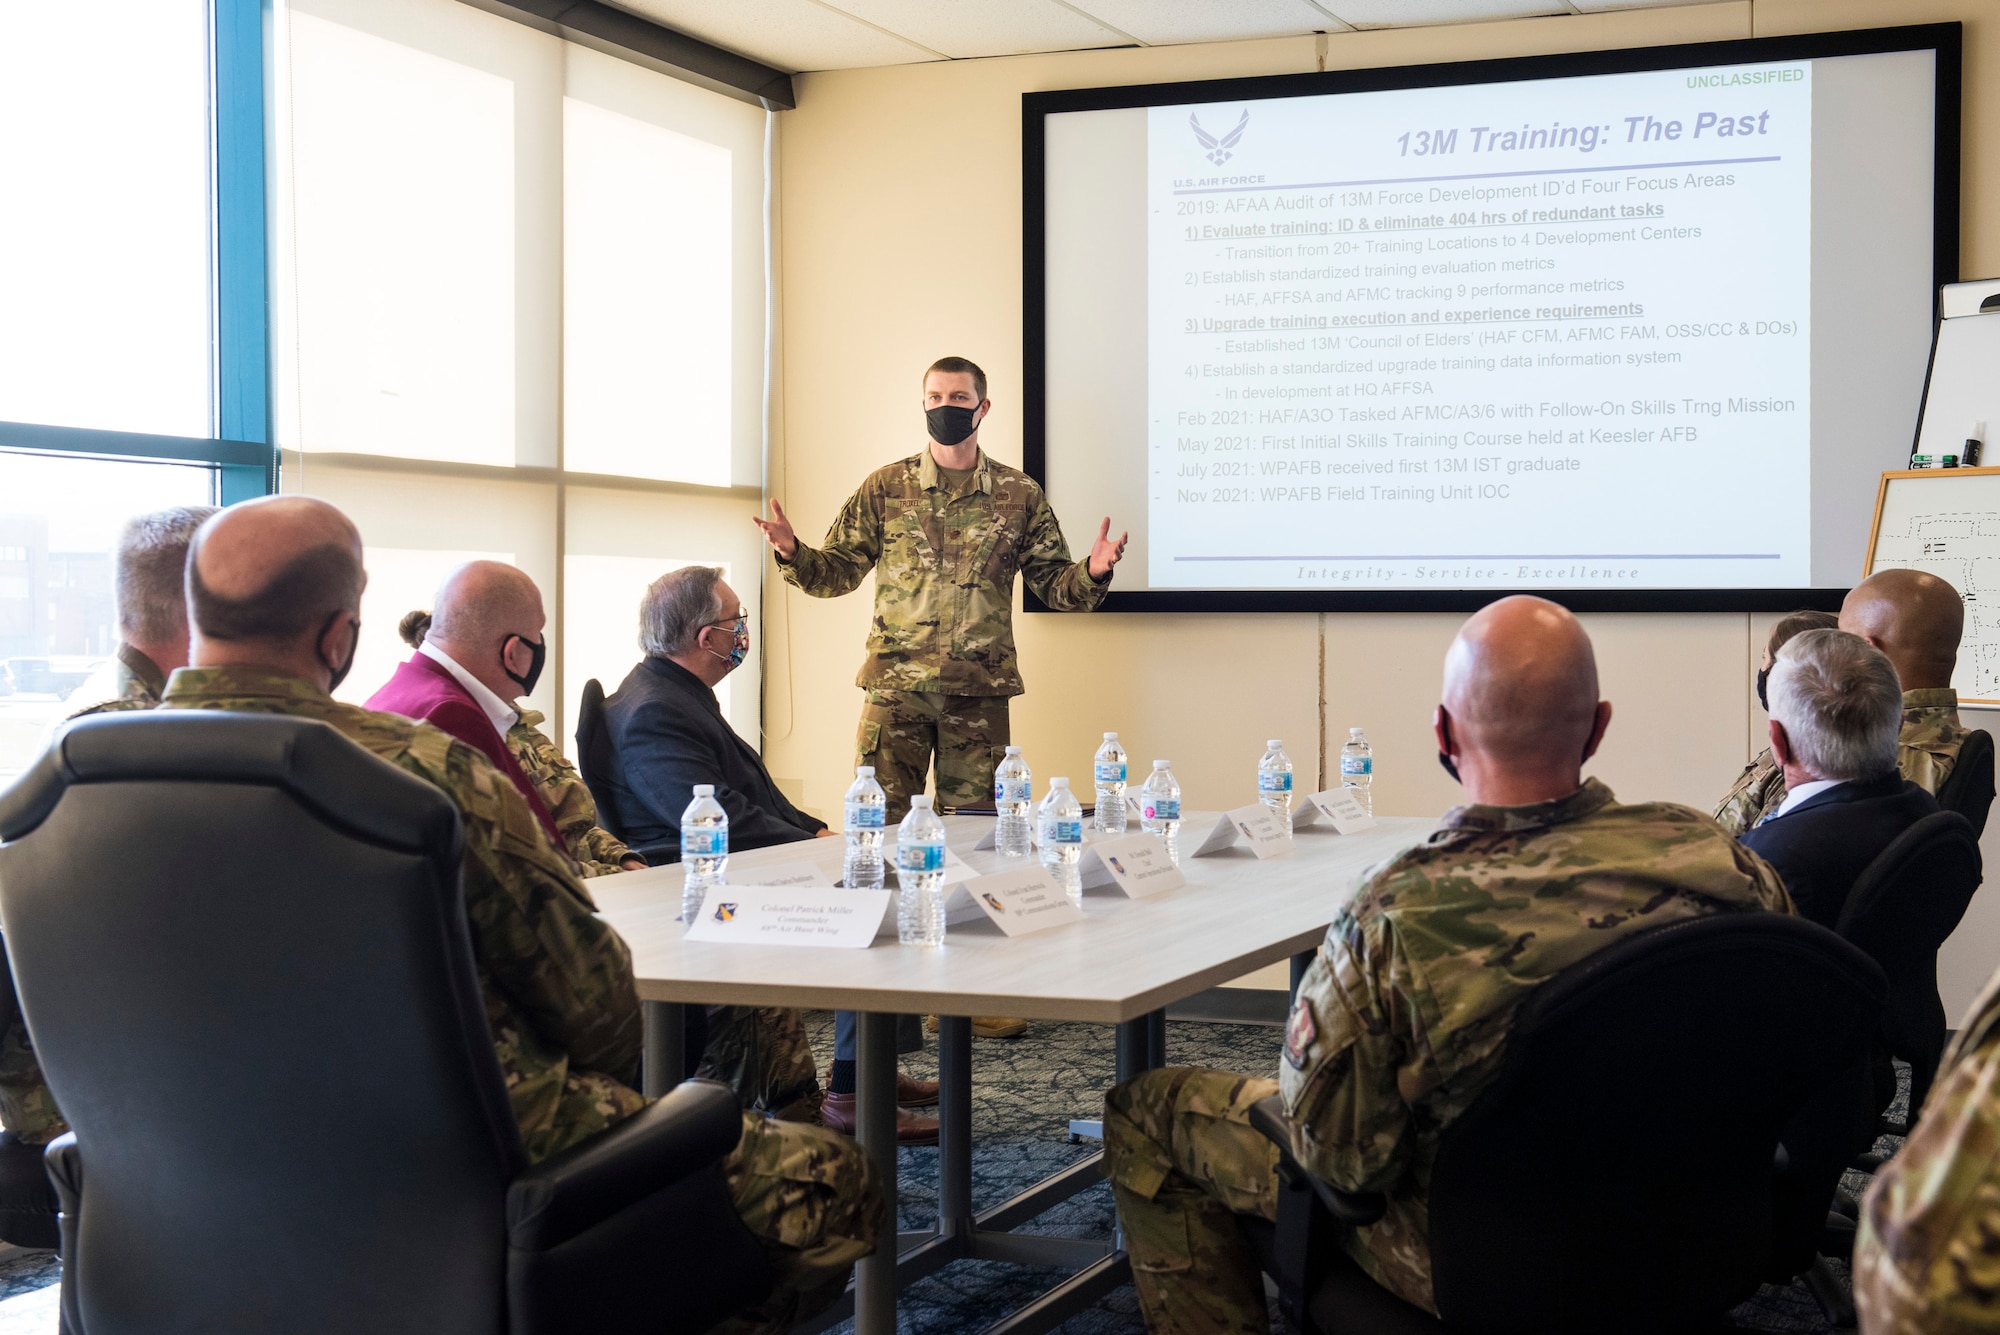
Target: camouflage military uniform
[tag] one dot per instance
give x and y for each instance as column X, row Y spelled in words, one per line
column 1399, row 1024
column 1759, row 789
column 941, row 663
column 1927, row 1258
column 596, row 849
column 1931, row 737
column 138, row 685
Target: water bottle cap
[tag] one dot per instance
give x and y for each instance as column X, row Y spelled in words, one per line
column 1110, row 736
column 1058, row 783
column 704, row 790
column 922, row 801
column 864, row 771
column 1354, row 733
column 1275, row 743
column 1159, row 764
column 1013, row 750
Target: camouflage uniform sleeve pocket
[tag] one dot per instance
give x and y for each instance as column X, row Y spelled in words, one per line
column 868, row 738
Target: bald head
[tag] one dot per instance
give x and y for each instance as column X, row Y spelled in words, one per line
column 1913, row 617
column 486, row 617
column 276, row 581
column 1520, row 708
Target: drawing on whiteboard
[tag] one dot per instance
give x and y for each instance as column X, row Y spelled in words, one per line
column 1947, row 522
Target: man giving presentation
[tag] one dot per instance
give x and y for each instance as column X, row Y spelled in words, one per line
column 946, row 530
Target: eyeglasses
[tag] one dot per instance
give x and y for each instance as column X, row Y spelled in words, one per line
column 739, row 624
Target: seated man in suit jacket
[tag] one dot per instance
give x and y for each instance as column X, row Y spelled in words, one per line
column 667, row 735
column 1836, row 710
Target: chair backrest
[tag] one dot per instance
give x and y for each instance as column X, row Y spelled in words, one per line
column 1968, row 789
column 1901, row 909
column 241, row 949
column 1618, row 1175
column 593, row 754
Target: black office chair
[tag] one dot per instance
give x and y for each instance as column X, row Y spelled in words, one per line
column 242, row 952
column 1968, row 789
column 1620, row 1174
column 1899, row 912
column 593, row 753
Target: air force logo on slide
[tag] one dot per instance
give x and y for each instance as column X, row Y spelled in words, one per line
column 1220, row 150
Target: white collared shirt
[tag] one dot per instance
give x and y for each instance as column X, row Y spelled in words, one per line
column 1794, row 796
column 502, row 715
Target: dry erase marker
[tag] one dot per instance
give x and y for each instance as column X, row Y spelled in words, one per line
column 1975, row 445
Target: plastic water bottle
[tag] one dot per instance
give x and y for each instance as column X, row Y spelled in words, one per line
column 862, row 818
column 1059, row 826
column 1160, row 808
column 704, row 848
column 1357, row 769
column 1013, row 790
column 1110, row 769
column 1274, row 781
column 920, row 876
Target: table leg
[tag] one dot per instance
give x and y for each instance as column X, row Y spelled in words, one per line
column 1300, row 963
column 665, row 1057
column 875, row 1125
column 1141, row 1045
column 954, row 1125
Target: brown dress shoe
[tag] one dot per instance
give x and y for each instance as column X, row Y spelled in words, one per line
column 837, row 1114
column 913, row 1093
column 985, row 1026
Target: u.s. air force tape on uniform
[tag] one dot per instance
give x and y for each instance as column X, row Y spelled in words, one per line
column 1023, row 901
column 765, row 915
column 1338, row 807
column 1136, row 863
column 1256, row 825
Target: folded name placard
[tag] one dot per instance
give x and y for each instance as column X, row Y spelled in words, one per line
column 1023, row 901
column 1338, row 807
column 1136, row 863
column 793, row 874
column 766, row 915
column 1256, row 825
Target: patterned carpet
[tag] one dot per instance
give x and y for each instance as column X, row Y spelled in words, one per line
column 1025, row 1091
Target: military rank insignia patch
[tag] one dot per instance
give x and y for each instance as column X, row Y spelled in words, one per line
column 1299, row 1034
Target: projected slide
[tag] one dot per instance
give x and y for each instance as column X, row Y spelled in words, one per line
column 1516, row 334
column 1644, row 326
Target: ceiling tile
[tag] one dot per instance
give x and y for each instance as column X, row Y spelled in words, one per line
column 791, row 35
column 1420, row 13
column 1166, row 22
column 962, row 28
column 1599, row 6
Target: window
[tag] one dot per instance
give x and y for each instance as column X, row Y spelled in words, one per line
column 519, row 302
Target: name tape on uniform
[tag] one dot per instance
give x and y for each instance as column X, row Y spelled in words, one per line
column 1336, row 806
column 765, row 915
column 1136, row 863
column 1023, row 901
column 1256, row 825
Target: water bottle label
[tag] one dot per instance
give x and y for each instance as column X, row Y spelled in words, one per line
column 1111, row 771
column 703, row 843
column 1162, row 808
column 1012, row 790
column 1274, row 783
column 1357, row 764
column 1065, row 831
column 863, row 816
column 920, row 857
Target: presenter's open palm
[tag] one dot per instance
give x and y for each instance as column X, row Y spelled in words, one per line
column 1104, row 553
column 778, row 531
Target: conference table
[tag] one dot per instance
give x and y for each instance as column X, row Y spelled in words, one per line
column 1121, row 966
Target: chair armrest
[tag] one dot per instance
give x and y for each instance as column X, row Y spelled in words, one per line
column 689, row 1130
column 1356, row 1208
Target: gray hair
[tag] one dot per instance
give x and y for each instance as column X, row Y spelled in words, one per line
column 151, row 569
column 676, row 607
column 1840, row 702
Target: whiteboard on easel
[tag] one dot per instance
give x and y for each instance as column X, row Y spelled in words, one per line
column 1962, row 395
column 1947, row 522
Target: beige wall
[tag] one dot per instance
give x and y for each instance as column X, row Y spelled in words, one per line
column 900, row 216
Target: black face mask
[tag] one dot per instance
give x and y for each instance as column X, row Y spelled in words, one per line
column 1763, row 675
column 949, row 424
column 339, row 673
column 536, row 653
column 1449, row 768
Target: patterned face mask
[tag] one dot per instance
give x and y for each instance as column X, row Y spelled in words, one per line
column 740, row 647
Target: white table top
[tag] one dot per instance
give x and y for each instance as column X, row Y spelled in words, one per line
column 1124, row 960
